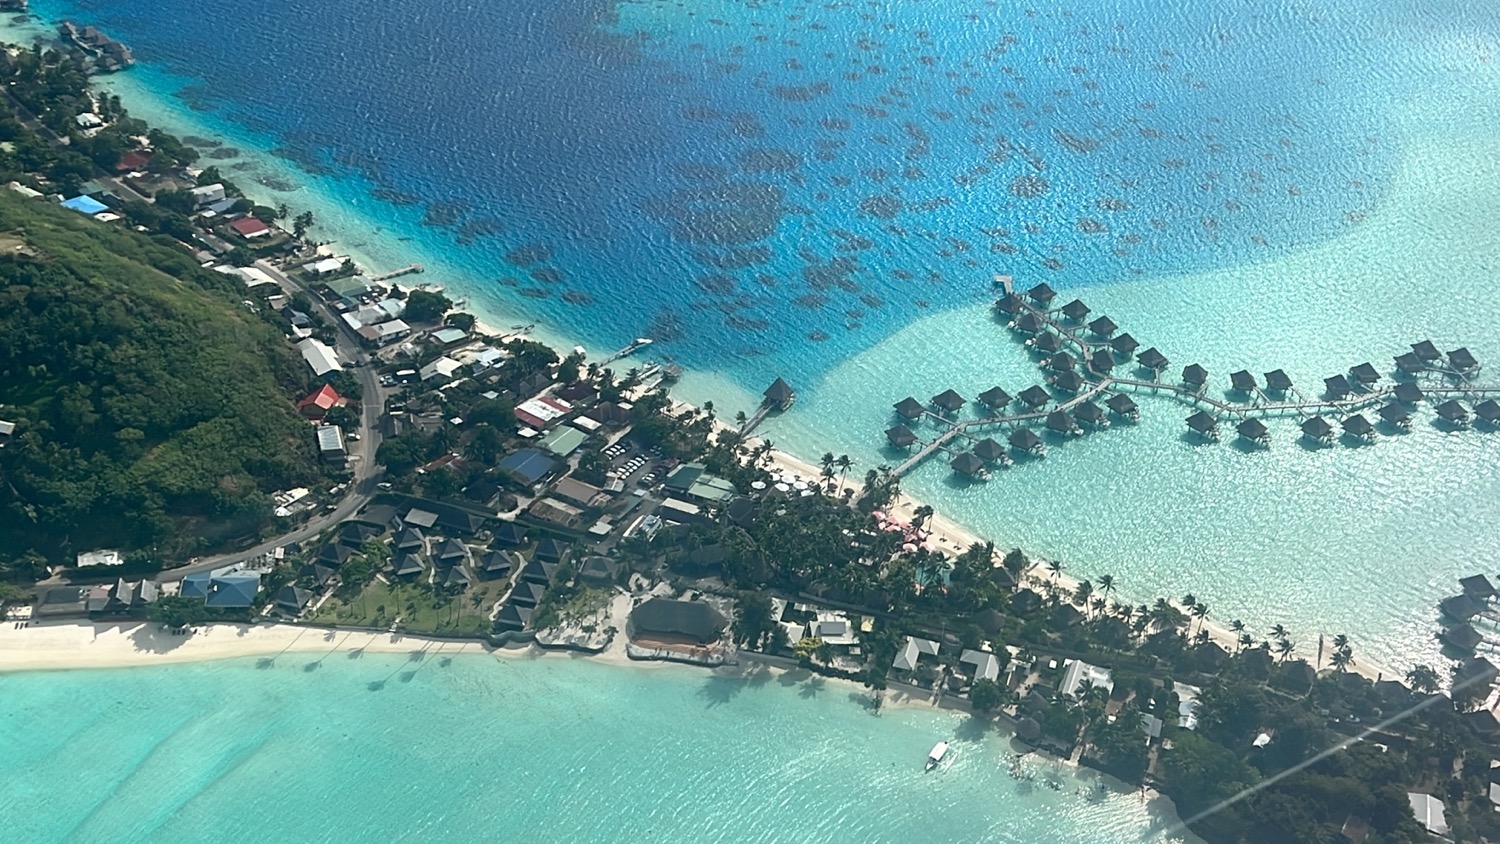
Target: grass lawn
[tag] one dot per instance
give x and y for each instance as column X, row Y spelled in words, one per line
column 419, row 609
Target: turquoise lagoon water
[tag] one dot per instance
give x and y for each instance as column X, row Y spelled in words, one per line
column 823, row 191
column 478, row 748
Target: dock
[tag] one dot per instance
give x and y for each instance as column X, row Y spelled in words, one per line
column 1086, row 358
column 409, row 269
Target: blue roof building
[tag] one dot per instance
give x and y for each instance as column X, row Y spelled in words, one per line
column 529, row 465
column 85, row 205
column 233, row 590
column 196, row 585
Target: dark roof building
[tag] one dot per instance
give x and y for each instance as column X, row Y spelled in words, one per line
column 293, row 599
column 1488, row 410
column 454, row 577
column 1027, row 323
column 948, row 400
column 1409, row 363
column 1452, row 411
column 1478, row 586
column 1103, row 326
column 967, row 464
column 1152, row 359
column 510, row 535
column 909, row 408
column 1034, row 396
column 995, row 397
column 599, row 570
column 406, row 565
column 409, row 539
column 1042, row 294
column 1409, row 393
column 1336, row 386
column 1045, row 342
column 780, row 394
column 1122, row 405
column 527, row 594
column 1068, row 382
column 1254, row 430
column 1364, row 374
column 312, row 572
column 1358, row 426
column 450, row 551
column 496, row 563
column 1396, row 414
column 1204, row 423
column 356, row 534
column 900, row 436
column 1059, row 421
column 1242, row 381
column 693, row 620
column 550, row 550
column 538, row 571
column 1462, row 361
column 1075, row 310
column 1125, row 344
column 1277, row 381
column 1009, row 303
column 334, row 554
column 1102, row 362
column 1461, row 637
column 1088, row 413
column 1062, row 362
column 1460, row 607
column 1194, row 375
column 513, row 617
column 233, row 591
column 1426, row 351
column 1317, row 427
column 1025, row 439
column 988, row 450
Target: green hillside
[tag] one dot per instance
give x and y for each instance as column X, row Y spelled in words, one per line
column 154, row 409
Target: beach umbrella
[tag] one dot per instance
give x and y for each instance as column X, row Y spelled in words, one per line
column 783, row 488
column 806, row 493
column 757, row 484
column 799, row 486
column 909, row 548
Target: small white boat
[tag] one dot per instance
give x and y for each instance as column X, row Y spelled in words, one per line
column 939, row 750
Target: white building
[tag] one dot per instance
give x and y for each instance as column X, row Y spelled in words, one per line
column 1187, row 705
column 319, row 356
column 443, row 367
column 208, row 194
column 1429, row 812
column 327, row 266
column 384, row 333
column 911, row 653
column 1075, row 671
column 832, row 628
column 102, row 557
column 984, row 665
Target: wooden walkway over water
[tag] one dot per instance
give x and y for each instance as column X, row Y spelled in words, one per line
column 1261, row 404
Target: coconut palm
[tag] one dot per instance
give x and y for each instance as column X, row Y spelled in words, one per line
column 1246, row 641
column 1236, row 627
column 740, row 419
column 1278, row 632
column 1422, row 678
column 845, row 463
column 1107, row 584
column 1189, row 599
column 1340, row 642
column 1083, row 593
column 1341, row 659
column 1056, row 569
column 1098, row 604
column 1199, row 610
column 1285, row 648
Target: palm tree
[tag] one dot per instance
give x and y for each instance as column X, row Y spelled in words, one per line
column 1056, row 568
column 1423, row 679
column 1278, row 632
column 827, row 463
column 1189, row 599
column 845, row 463
column 1284, row 648
column 920, row 516
column 740, row 419
column 1098, row 605
column 1107, row 584
column 1199, row 611
column 1236, row 627
column 1082, row 594
column 1340, row 642
column 1164, row 616
column 1246, row 641
column 1341, row 659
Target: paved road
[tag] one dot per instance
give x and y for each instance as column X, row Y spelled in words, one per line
column 117, row 187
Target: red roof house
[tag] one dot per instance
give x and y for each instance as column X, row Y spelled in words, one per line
column 135, row 159
column 319, row 403
column 248, row 227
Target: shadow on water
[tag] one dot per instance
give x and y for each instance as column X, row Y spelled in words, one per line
column 719, row 690
column 971, row 729
column 813, row 687
column 413, row 658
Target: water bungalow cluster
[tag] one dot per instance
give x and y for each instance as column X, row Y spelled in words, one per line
column 95, row 49
column 1088, row 362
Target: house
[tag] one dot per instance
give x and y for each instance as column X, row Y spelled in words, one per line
column 510, row 534
column 233, row 591
column 912, row 651
column 666, row 619
column 681, row 512
column 599, row 570
column 450, row 552
column 385, row 333
column 555, row 512
column 420, row 518
column 317, row 404
column 540, row 412
column 1187, row 705
column 63, row 600
column 131, row 160
column 513, row 617
column 497, row 563
column 409, row 539
column 103, row 557
column 539, row 572
column 981, row 665
column 456, row 578
column 356, row 534
column 550, row 550
column 85, row 205
column 250, row 228
column 317, row 573
column 528, row 465
column 126, row 597
column 320, row 358
column 1076, row 672
column 208, row 194
column 442, row 368
column 832, row 628
column 293, row 599
column 7, row 430
column 563, row 441
column 326, row 266
column 448, row 336
column 1428, row 811
column 577, row 492
column 331, row 444
column 406, row 564
column 527, row 594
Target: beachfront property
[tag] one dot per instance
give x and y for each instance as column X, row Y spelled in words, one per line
column 675, row 630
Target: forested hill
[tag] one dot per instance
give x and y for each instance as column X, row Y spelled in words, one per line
column 153, row 409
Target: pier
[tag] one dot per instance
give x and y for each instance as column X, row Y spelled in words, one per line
column 1084, row 360
column 777, row 397
column 409, row 269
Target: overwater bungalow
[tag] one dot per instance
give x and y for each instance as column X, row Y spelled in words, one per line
column 1488, row 411
column 1103, row 326
column 900, row 436
column 1460, row 607
column 1254, row 430
column 1101, row 362
column 1462, row 361
column 1409, row 364
column 779, row 395
column 1317, row 428
column 1026, row 441
column 1478, row 586
column 1089, row 414
column 1046, row 342
column 1204, row 424
column 1152, row 360
column 1122, row 405
column 995, row 398
column 1396, row 414
column 1242, row 381
column 1124, row 344
column 1009, row 303
column 1452, row 412
column 949, row 401
column 1194, row 376
column 1075, row 310
column 1461, row 637
column 969, row 465
column 1359, row 427
column 1426, row 351
column 1409, row 393
column 1060, row 422
column 1062, row 362
column 1027, row 323
column 1336, row 387
column 1042, row 294
column 1364, row 375
column 1277, row 381
column 909, row 408
column 1034, row 396
column 1068, row 382
column 989, row 451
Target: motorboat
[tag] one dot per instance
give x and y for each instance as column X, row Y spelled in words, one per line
column 939, row 750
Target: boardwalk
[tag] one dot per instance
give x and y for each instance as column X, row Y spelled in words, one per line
column 1074, row 340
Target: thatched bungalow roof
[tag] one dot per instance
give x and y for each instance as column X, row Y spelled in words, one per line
column 1103, row 326
column 995, row 397
column 1409, row 393
column 1462, row 360
column 988, row 450
column 1426, row 351
column 1336, row 386
column 1088, row 413
column 1070, row 382
column 1488, row 410
column 1028, row 323
column 967, row 464
column 1034, row 396
column 948, row 400
column 1152, row 359
column 1317, row 427
column 909, row 408
column 1395, row 414
column 1278, row 381
column 1461, row 637
column 1254, row 430
column 1364, row 374
column 1102, row 362
column 1460, row 607
column 1194, row 375
column 1452, row 411
column 1478, row 586
column 1025, row 439
column 1358, row 426
column 1009, row 303
column 1409, row 363
column 1203, row 422
column 900, row 436
column 1062, row 362
column 1122, row 404
column 1042, row 294
column 1125, row 344
column 1075, row 310
column 1242, row 381
column 1061, row 422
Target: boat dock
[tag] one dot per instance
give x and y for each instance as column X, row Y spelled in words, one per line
column 1082, row 358
column 409, row 269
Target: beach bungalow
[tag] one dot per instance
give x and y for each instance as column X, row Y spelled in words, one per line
column 995, row 398
column 551, row 550
column 1026, row 441
column 509, row 535
column 669, row 621
column 1068, row 382
column 406, row 564
column 1254, row 430
column 1152, row 361
column 968, row 464
column 1089, row 414
column 1318, row 429
column 948, row 401
column 236, row 590
column 1336, row 387
column 989, row 451
column 1062, row 362
column 1045, row 343
column 513, row 617
column 911, row 652
column 1396, row 414
column 1194, row 376
column 1101, row 362
column 527, row 594
column 1042, row 294
column 1460, row 607
column 450, row 552
column 1408, row 393
column 1426, row 351
column 293, row 599
column 1061, row 422
column 979, row 665
column 1453, row 413
column 1034, row 396
column 334, row 554
column 599, row 570
column 1103, row 326
column 1242, row 381
column 1009, row 303
column 250, row 228
column 354, row 535
column 1123, row 406
column 1027, row 323
column 1075, row 310
column 1462, row 362
column 1478, row 586
column 1124, row 344
column 900, row 436
column 909, row 408
column 540, row 572
column 1364, row 375
column 1204, row 424
column 319, row 357
column 317, row 404
column 496, row 563
column 314, row 573
column 1409, row 364
column 408, row 539
column 1076, row 672
column 1428, row 811
column 1461, row 637
column 1357, row 426
column 1277, row 381
column 455, row 577
column 1488, row 411
column 779, row 395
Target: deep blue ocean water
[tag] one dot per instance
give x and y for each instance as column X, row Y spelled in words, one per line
column 767, row 188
